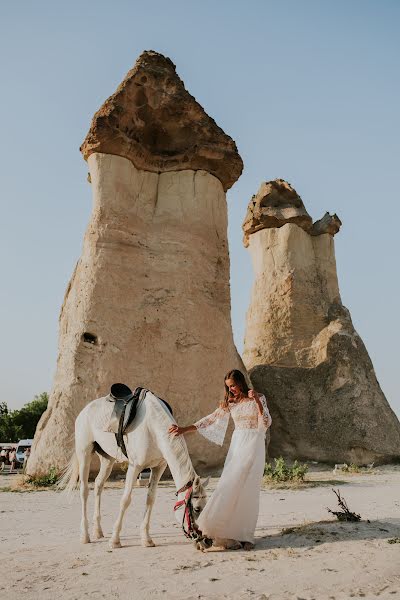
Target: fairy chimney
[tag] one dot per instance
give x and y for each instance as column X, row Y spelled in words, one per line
column 301, row 348
column 149, row 301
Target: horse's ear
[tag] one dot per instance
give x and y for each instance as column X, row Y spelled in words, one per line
column 196, row 482
column 205, row 482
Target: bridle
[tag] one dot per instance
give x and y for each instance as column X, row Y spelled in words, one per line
column 189, row 527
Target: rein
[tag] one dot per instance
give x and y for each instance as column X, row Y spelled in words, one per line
column 189, row 526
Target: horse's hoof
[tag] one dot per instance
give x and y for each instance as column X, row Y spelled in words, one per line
column 114, row 545
column 247, row 546
column 148, row 543
column 97, row 535
column 201, row 545
column 85, row 539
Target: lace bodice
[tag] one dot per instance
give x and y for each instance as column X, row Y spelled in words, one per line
column 245, row 415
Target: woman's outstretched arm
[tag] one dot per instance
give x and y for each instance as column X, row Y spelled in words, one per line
column 176, row 430
column 213, row 426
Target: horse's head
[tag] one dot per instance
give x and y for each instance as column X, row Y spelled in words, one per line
column 199, row 496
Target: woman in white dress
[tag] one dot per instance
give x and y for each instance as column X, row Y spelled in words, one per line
column 230, row 515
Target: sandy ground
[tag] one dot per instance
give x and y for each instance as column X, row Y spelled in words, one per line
column 41, row 556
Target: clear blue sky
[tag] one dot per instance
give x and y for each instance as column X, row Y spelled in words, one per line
column 308, row 89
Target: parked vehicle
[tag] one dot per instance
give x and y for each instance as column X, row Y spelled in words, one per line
column 21, row 447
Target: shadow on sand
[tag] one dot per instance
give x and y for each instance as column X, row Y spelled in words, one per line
column 313, row 534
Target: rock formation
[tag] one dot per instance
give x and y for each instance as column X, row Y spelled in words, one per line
column 301, row 348
column 149, row 301
column 156, row 124
column 275, row 204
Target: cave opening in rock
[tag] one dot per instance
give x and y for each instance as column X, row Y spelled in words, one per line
column 89, row 338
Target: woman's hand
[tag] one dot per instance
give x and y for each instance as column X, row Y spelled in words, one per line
column 256, row 396
column 175, row 430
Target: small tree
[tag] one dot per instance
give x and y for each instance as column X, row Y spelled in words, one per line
column 8, row 431
column 21, row 424
column 28, row 416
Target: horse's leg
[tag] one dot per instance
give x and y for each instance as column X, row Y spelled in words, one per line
column 131, row 476
column 156, row 473
column 84, row 458
column 106, row 465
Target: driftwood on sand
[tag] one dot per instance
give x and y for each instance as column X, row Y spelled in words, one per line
column 345, row 514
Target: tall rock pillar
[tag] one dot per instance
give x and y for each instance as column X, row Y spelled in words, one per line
column 301, row 348
column 149, row 301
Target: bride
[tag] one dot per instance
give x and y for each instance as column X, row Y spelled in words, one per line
column 230, row 515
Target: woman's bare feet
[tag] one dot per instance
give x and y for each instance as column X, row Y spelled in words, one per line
column 218, row 545
column 228, row 544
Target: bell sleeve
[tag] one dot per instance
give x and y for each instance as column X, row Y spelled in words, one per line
column 214, row 426
column 265, row 419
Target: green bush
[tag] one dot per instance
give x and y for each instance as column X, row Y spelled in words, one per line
column 281, row 472
column 47, row 480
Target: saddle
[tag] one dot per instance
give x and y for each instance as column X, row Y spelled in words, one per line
column 124, row 411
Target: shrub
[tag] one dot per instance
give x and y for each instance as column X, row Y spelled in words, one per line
column 282, row 472
column 47, row 480
column 353, row 468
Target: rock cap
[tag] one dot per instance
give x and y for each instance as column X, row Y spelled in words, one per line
column 328, row 224
column 275, row 204
column 152, row 120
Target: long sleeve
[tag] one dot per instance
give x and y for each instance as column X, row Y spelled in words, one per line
column 214, row 426
column 265, row 419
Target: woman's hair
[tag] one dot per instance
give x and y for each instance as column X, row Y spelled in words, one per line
column 240, row 381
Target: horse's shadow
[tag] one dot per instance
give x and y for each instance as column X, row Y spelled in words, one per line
column 320, row 532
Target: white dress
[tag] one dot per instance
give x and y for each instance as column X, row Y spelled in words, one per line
column 232, row 510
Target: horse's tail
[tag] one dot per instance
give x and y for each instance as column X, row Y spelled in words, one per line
column 69, row 479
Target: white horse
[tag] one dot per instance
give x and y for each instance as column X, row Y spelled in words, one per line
column 148, row 445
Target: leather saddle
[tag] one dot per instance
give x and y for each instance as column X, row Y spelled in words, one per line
column 124, row 411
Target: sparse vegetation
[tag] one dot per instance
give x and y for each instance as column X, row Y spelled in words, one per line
column 353, row 468
column 280, row 472
column 47, row 480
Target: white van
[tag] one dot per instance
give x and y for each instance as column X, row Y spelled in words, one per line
column 21, row 447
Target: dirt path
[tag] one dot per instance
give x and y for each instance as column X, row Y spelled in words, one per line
column 41, row 556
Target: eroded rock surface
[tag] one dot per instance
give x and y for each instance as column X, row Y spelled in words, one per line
column 328, row 224
column 275, row 204
column 149, row 301
column 303, row 352
column 154, row 122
